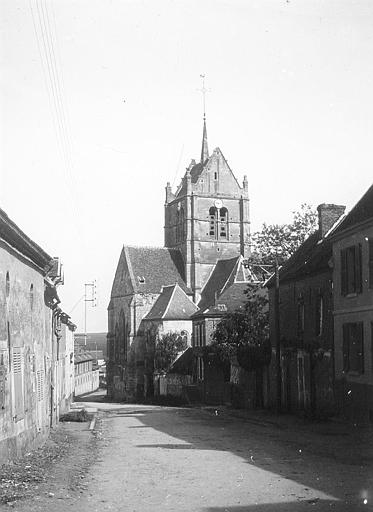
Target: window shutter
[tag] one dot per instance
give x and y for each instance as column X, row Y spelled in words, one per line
column 358, row 280
column 371, row 263
column 345, row 346
column 360, row 340
column 40, row 385
column 18, row 382
column 344, row 272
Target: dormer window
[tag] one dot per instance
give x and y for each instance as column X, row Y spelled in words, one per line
column 141, row 279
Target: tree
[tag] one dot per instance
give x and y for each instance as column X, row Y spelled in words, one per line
column 167, row 348
column 282, row 240
column 245, row 333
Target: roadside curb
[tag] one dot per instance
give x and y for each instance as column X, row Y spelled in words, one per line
column 92, row 423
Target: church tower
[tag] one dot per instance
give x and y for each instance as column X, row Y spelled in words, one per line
column 207, row 217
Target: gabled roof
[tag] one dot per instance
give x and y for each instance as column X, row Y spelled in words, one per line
column 362, row 211
column 311, row 257
column 172, row 304
column 218, row 279
column 149, row 269
column 224, row 290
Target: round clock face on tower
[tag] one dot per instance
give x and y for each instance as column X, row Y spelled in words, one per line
column 218, row 203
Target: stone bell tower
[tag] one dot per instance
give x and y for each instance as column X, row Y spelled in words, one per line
column 207, row 217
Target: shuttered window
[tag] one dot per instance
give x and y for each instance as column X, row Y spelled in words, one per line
column 40, row 385
column 371, row 263
column 17, row 367
column 353, row 347
column 351, row 272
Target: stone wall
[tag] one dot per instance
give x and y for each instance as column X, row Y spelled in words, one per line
column 27, row 357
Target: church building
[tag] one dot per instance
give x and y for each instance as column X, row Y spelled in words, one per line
column 206, row 220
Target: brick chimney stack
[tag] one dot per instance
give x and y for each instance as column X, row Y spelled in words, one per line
column 328, row 216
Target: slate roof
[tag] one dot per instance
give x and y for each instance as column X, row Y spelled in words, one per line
column 216, row 282
column 151, row 268
column 232, row 299
column 314, row 254
column 172, row 304
column 311, row 257
column 362, row 211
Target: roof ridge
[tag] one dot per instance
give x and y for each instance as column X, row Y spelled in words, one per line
column 169, row 301
column 130, row 269
column 234, row 270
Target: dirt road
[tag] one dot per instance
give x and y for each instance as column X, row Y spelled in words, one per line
column 150, row 458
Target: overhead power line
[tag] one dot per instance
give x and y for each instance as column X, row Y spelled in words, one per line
column 47, row 42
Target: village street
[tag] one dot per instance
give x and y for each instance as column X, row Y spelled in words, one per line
column 148, row 458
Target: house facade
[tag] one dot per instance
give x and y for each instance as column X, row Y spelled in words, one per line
column 224, row 293
column 36, row 378
column 170, row 316
column 353, row 311
column 306, row 323
column 86, row 376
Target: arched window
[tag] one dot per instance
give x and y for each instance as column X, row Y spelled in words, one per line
column 182, row 224
column 223, row 223
column 213, row 218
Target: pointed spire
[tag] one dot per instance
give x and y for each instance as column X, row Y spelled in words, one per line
column 205, row 148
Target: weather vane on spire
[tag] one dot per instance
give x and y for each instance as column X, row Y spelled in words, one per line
column 203, row 90
column 205, row 149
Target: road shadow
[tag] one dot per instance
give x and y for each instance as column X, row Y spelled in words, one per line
column 304, row 457
column 99, row 396
column 295, row 506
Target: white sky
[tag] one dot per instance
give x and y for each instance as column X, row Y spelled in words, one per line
column 290, row 106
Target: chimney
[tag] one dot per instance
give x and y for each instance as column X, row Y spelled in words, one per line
column 328, row 216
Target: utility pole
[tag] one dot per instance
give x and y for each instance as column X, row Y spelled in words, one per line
column 92, row 297
column 277, row 337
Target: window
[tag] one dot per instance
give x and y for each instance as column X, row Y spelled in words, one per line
column 200, row 369
column 17, row 365
column 371, row 343
column 213, row 216
column 351, row 279
column 223, row 223
column 353, row 347
column 177, row 225
column 370, row 263
column 300, row 317
column 218, row 223
column 7, row 285
column 319, row 315
column 182, row 224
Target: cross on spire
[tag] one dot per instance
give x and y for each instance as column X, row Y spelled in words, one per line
column 203, row 90
column 205, row 149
